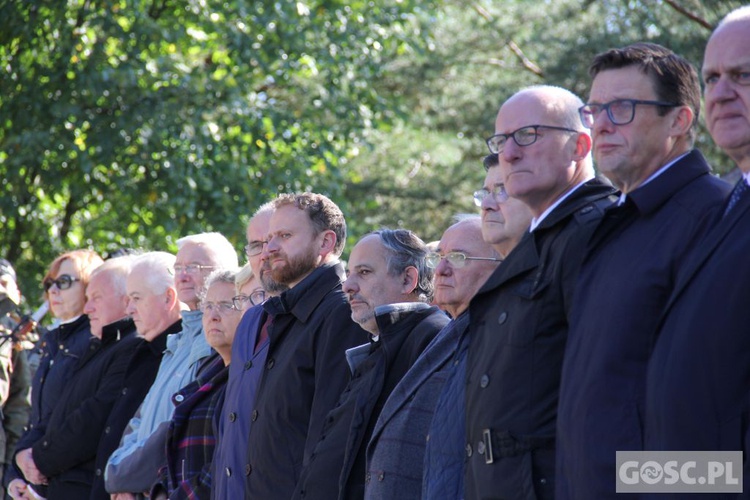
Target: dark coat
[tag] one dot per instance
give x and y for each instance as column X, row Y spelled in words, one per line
column 395, row 453
column 191, row 437
column 66, row 452
column 519, row 325
column 306, row 371
column 61, row 348
column 698, row 381
column 234, row 421
column 404, row 332
column 625, row 281
column 139, row 375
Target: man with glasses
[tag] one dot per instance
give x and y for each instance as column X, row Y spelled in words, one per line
column 519, row 318
column 132, row 467
column 699, row 375
column 389, row 287
column 642, row 111
column 249, row 353
column 396, row 451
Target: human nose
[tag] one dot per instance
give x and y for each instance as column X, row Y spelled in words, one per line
column 722, row 90
column 349, row 285
column 443, row 268
column 511, row 150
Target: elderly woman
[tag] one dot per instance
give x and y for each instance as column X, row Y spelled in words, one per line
column 64, row 288
column 191, row 439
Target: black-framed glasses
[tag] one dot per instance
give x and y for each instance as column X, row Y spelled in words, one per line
column 189, row 269
column 222, row 307
column 241, row 301
column 524, row 136
column 254, row 248
column 455, row 259
column 619, row 111
column 63, row 282
column 498, row 192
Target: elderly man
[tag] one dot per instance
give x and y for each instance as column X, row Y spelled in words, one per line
column 132, row 468
column 698, row 377
column 155, row 310
column 235, row 420
column 504, row 222
column 395, row 453
column 519, row 318
column 308, row 329
column 66, row 452
column 388, row 288
column 642, row 113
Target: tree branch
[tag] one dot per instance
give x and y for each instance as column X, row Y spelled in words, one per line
column 693, row 17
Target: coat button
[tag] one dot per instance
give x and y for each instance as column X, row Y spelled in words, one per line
column 228, row 471
column 254, row 415
column 106, row 430
column 381, row 476
column 269, row 364
column 248, row 364
column 484, row 381
column 179, row 398
column 503, row 316
column 480, row 447
column 124, row 390
column 367, row 478
column 469, row 451
column 248, row 469
column 98, row 472
column 232, row 416
column 45, row 444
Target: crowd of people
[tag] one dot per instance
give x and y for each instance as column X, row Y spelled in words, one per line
column 574, row 317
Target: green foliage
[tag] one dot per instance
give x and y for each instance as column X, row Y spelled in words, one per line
column 129, row 123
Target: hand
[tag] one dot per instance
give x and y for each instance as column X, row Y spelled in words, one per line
column 17, row 489
column 122, row 496
column 25, row 462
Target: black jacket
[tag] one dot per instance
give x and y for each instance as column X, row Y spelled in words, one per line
column 518, row 328
column 66, row 452
column 139, row 375
column 305, row 373
column 405, row 331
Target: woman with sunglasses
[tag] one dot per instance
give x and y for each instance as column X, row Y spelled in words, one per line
column 64, row 289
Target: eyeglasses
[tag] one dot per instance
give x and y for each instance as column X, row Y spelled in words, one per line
column 498, row 193
column 63, row 282
column 257, row 297
column 254, row 248
column 619, row 111
column 455, row 259
column 524, row 136
column 189, row 269
column 220, row 307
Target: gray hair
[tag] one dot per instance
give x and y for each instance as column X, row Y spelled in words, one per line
column 738, row 14
column 219, row 248
column 219, row 276
column 118, row 268
column 160, row 267
column 405, row 249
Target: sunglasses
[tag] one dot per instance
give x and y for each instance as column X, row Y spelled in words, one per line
column 63, row 282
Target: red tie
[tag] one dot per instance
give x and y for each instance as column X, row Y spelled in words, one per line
column 263, row 333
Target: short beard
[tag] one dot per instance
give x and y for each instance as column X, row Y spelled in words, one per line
column 270, row 285
column 294, row 269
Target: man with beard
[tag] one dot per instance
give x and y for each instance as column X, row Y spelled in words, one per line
column 245, row 371
column 309, row 328
column 389, row 287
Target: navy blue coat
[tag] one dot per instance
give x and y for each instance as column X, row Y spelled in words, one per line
column 66, row 452
column 340, row 451
column 698, row 381
column 396, row 451
column 625, row 281
column 139, row 375
column 519, row 326
column 61, row 350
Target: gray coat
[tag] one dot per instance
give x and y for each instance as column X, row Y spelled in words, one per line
column 395, row 454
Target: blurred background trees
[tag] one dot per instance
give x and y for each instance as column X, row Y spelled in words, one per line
column 129, row 123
